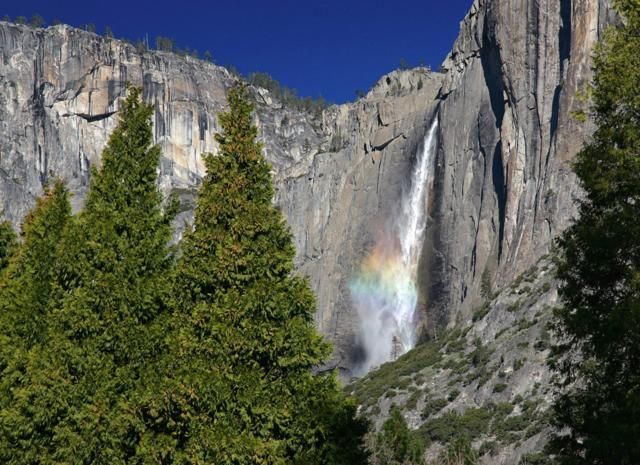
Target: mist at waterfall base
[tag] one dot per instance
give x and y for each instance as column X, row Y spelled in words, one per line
column 384, row 292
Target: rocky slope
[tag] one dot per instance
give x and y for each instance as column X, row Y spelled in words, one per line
column 336, row 176
column 486, row 378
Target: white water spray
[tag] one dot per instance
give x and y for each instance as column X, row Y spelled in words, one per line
column 385, row 292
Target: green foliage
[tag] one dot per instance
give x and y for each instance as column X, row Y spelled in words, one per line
column 503, row 409
column 499, row 387
column 396, row 445
column 480, row 312
column 481, row 355
column 485, row 284
column 36, row 21
column 373, row 386
column 518, row 363
column 236, row 385
column 164, row 44
column 25, row 287
column 471, row 424
column 515, row 306
column 460, row 452
column 535, row 458
column 110, row 353
column 25, row 292
column 511, row 424
column 543, row 341
column 599, row 268
column 412, row 401
column 289, row 97
column 8, row 243
column 433, row 406
column 75, row 402
column 489, row 447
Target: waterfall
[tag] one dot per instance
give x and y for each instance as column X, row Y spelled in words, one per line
column 384, row 292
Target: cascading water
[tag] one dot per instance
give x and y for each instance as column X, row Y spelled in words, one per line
column 384, row 292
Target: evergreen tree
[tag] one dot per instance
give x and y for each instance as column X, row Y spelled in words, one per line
column 37, row 21
column 395, row 444
column 25, row 291
column 599, row 324
column 8, row 243
column 236, row 386
column 26, row 286
column 77, row 403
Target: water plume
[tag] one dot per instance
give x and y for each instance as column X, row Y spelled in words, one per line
column 384, row 291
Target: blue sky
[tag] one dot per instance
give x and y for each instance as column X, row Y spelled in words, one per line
column 329, row 48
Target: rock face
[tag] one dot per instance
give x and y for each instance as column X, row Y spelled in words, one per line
column 504, row 186
column 487, row 379
column 337, row 176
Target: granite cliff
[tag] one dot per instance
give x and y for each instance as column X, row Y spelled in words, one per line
column 502, row 189
column 503, row 185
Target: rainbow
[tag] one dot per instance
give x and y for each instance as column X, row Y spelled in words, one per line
column 384, row 292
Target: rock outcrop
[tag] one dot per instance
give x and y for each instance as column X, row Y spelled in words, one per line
column 504, row 190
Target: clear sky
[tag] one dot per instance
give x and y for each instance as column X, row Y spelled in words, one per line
column 329, row 48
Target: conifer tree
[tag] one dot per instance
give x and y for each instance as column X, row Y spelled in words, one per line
column 599, row 324
column 238, row 387
column 26, row 286
column 25, row 291
column 107, row 318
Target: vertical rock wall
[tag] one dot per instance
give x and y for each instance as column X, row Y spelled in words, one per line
column 505, row 187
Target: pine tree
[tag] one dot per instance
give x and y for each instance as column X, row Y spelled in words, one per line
column 599, row 268
column 238, row 387
column 106, row 326
column 25, row 291
column 26, row 286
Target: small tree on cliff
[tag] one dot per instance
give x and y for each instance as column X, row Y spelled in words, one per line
column 237, row 387
column 76, row 404
column 599, row 268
